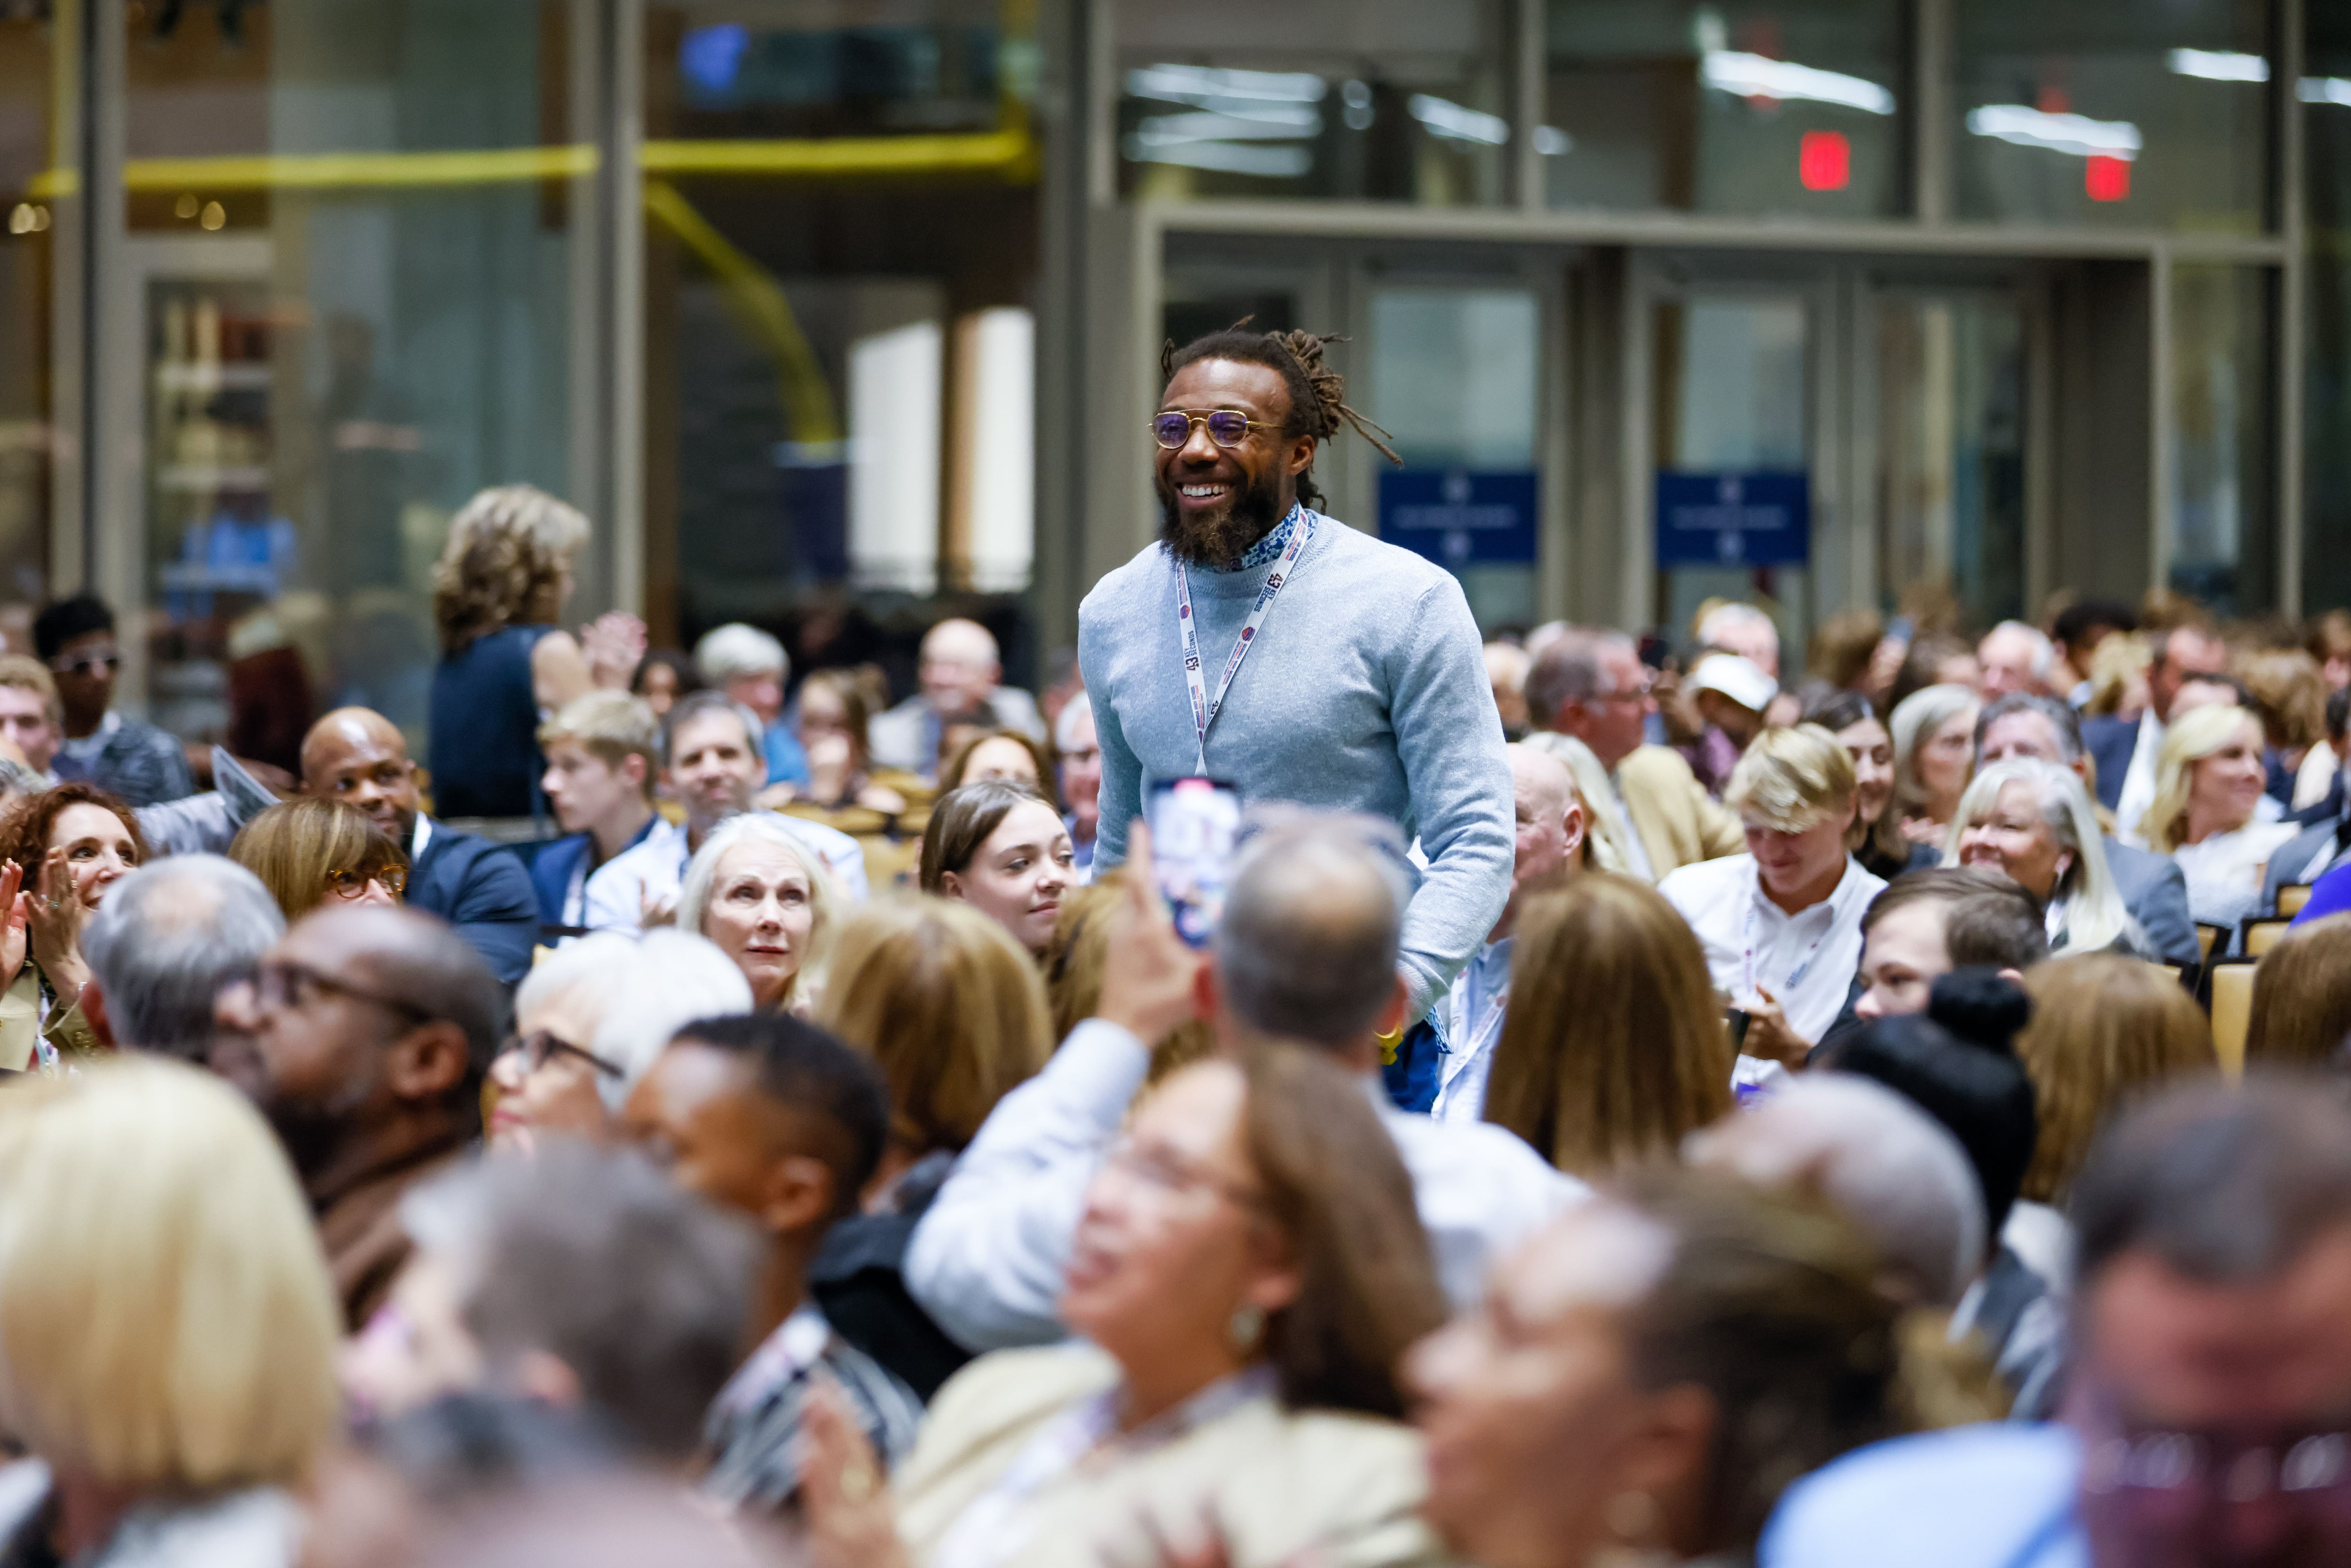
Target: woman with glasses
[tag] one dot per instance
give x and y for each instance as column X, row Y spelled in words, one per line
column 1248, row 1270
column 60, row 850
column 590, row 1018
column 311, row 851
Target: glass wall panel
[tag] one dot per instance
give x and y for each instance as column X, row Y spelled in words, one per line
column 2221, row 550
column 2325, row 522
column 354, row 241
column 1394, row 100
column 1950, row 437
column 2113, row 111
column 1756, row 106
column 840, row 262
column 30, row 214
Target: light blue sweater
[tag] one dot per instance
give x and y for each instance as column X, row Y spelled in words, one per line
column 1367, row 691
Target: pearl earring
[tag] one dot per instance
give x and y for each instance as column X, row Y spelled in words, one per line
column 1247, row 1328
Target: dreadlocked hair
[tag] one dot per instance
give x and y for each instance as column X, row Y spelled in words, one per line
column 1317, row 393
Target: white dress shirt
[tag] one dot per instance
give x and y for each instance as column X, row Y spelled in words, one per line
column 1468, row 1024
column 654, row 868
column 2139, row 779
column 1807, row 960
column 2225, row 871
column 987, row 1261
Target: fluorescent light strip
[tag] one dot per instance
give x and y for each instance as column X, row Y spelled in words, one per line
column 1201, row 125
column 1227, row 157
column 2073, row 134
column 2219, row 65
column 1197, row 84
column 2324, row 89
column 1760, row 76
column 1456, row 122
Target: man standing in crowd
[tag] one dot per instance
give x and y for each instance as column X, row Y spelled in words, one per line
column 1078, row 748
column 2015, row 657
column 712, row 762
column 751, row 667
column 136, row 762
column 2124, row 750
column 959, row 671
column 2212, row 1371
column 2153, row 888
column 779, row 1121
column 161, row 947
column 31, row 717
column 1369, row 692
column 1306, row 955
column 1592, row 685
column 601, row 752
column 363, row 1039
column 357, row 755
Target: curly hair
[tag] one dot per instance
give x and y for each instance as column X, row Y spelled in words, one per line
column 1317, row 393
column 505, row 562
column 25, row 831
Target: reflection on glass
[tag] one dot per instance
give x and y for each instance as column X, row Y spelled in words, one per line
column 1733, row 387
column 1454, row 379
column 29, row 217
column 1380, row 99
column 2325, row 521
column 839, row 365
column 2221, row 496
column 343, row 333
column 1951, row 452
column 2113, row 111
column 1770, row 106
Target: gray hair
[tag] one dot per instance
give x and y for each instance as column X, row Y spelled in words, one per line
column 693, row 705
column 1737, row 613
column 2044, row 652
column 2062, row 720
column 168, row 937
column 736, row 648
column 1569, row 670
column 1065, row 727
column 1608, row 833
column 1916, row 719
column 640, row 990
column 1313, row 925
column 1894, row 1171
column 597, row 1258
column 2094, row 913
column 824, row 895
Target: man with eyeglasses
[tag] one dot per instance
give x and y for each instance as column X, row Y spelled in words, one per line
column 363, row 1039
column 358, row 756
column 138, row 762
column 2208, row 1421
column 1592, row 686
column 1261, row 642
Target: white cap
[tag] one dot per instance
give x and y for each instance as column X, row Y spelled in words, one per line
column 1738, row 679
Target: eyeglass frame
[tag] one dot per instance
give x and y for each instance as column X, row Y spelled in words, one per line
column 1156, row 1170
column 1193, row 417
column 394, row 877
column 270, row 977
column 536, row 1046
column 112, row 664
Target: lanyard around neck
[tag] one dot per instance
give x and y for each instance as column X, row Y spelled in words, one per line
column 1803, row 966
column 1205, row 707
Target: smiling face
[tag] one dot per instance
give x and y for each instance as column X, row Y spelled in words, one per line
column 1018, row 875
column 761, row 913
column 1217, row 501
column 1807, row 863
column 358, row 756
column 97, row 849
column 2224, row 788
column 1872, row 750
column 714, row 768
column 2015, row 837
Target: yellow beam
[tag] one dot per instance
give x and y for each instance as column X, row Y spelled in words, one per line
column 990, row 152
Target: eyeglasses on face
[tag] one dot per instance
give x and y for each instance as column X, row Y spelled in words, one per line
column 1169, row 1175
column 88, row 665
column 352, row 883
column 536, row 1049
column 1227, row 427
column 282, row 983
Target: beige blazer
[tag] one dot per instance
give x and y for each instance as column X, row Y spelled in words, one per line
column 1277, row 1482
column 1679, row 822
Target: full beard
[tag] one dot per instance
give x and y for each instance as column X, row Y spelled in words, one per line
column 1220, row 539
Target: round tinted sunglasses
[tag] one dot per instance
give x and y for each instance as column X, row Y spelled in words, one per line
column 1227, row 427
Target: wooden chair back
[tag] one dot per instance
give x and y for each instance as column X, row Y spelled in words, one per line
column 2292, row 897
column 2232, row 1014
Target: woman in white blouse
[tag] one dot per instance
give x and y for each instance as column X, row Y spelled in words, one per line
column 2206, row 815
column 2033, row 820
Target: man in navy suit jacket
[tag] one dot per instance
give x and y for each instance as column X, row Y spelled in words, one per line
column 357, row 755
column 2178, row 657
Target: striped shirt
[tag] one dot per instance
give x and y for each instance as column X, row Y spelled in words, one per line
column 754, row 1428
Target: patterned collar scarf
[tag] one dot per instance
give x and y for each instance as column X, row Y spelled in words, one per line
column 1276, row 541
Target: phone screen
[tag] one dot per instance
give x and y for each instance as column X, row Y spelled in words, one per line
column 1194, row 825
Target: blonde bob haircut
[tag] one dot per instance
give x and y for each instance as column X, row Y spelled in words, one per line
column 611, row 727
column 294, row 846
column 508, row 549
column 1613, row 1048
column 1794, row 777
column 2195, row 736
column 949, row 1006
column 825, row 898
column 166, row 1322
column 2105, row 1029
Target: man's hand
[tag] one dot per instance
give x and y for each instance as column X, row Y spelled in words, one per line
column 1150, row 979
column 613, row 645
column 1769, row 1036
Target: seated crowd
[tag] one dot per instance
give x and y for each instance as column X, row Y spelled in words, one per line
column 1826, row 1157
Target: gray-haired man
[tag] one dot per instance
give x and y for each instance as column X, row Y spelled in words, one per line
column 168, row 937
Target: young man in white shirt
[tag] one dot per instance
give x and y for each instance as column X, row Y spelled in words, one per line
column 1782, row 923
column 1305, row 958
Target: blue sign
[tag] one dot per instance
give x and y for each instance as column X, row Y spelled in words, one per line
column 1461, row 516
column 1734, row 519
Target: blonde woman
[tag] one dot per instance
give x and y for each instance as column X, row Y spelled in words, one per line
column 2033, row 820
column 498, row 594
column 1612, row 1045
column 1934, row 746
column 2207, row 816
column 767, row 900
column 309, row 849
column 2104, row 1029
column 167, row 1329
